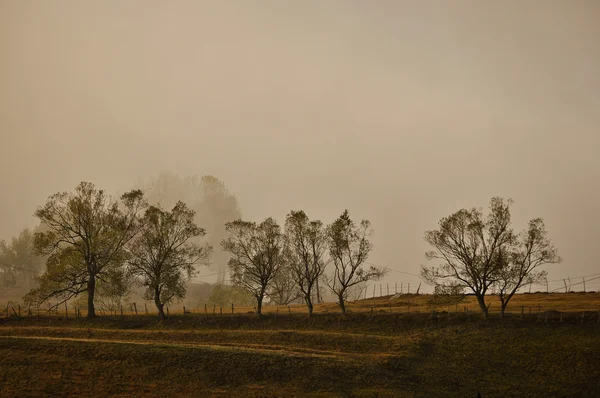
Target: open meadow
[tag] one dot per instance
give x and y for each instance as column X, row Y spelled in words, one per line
column 371, row 352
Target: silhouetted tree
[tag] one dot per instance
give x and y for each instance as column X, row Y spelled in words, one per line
column 257, row 255
column 163, row 256
column 306, row 246
column 478, row 252
column 349, row 248
column 86, row 232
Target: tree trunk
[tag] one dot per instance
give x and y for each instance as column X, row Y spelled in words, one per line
column 160, row 306
column 309, row 304
column 503, row 305
column 341, row 303
column 259, row 301
column 91, row 292
column 481, row 301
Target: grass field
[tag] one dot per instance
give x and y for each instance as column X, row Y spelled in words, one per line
column 365, row 354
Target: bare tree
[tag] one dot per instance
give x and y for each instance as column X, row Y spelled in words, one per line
column 163, row 256
column 86, row 232
column 519, row 263
column 256, row 255
column 349, row 248
column 306, row 245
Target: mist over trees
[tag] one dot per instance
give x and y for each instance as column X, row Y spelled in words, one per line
column 19, row 262
column 477, row 252
column 208, row 197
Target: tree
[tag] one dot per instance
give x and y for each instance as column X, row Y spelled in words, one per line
column 86, row 232
column 306, row 244
column 256, row 255
column 19, row 261
column 520, row 262
column 208, row 197
column 477, row 252
column 163, row 256
column 283, row 290
column 349, row 248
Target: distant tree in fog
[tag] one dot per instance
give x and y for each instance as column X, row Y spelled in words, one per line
column 208, row 197
column 86, row 233
column 306, row 247
column 349, row 247
column 477, row 252
column 162, row 255
column 19, row 263
column 257, row 255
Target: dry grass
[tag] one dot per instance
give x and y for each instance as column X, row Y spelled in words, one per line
column 361, row 355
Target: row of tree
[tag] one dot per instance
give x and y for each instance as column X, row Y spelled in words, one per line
column 92, row 243
column 92, row 240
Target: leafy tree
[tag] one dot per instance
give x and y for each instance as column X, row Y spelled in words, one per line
column 86, row 232
column 163, row 255
column 257, row 255
column 349, row 248
column 306, row 243
column 478, row 251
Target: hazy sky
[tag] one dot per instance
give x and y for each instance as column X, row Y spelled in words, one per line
column 400, row 111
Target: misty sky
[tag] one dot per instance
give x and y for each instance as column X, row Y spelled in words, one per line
column 400, row 111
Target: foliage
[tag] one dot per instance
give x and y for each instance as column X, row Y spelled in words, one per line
column 86, row 235
column 349, row 247
column 478, row 252
column 446, row 295
column 163, row 256
column 257, row 255
column 223, row 295
column 306, row 245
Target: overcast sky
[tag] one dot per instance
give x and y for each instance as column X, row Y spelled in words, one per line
column 400, row 111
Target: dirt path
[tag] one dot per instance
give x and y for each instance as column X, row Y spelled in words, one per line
column 254, row 348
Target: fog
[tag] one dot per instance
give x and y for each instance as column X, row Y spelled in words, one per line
column 400, row 111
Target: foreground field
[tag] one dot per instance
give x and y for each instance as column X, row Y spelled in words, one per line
column 360, row 356
column 549, row 345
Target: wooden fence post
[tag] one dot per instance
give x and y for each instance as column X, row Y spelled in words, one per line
column 388, row 288
column 19, row 310
column 121, row 308
column 205, row 310
column 419, row 288
column 371, row 296
column 66, row 311
column 184, row 310
column 232, row 310
column 146, row 308
column 135, row 308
